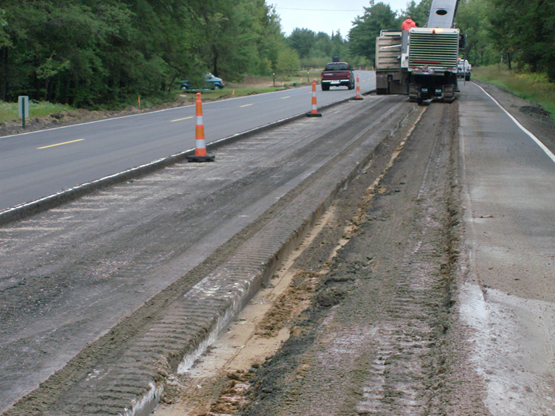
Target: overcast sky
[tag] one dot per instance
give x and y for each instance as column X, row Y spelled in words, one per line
column 324, row 15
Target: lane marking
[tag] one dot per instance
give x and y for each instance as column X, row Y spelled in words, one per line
column 538, row 142
column 246, row 105
column 181, row 119
column 283, row 98
column 60, row 144
column 222, row 102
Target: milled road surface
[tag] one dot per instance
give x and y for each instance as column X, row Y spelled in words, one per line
column 204, row 233
column 381, row 337
column 439, row 299
column 426, row 290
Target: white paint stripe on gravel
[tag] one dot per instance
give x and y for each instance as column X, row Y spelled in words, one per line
column 538, row 142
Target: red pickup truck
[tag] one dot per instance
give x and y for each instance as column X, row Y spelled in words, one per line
column 336, row 74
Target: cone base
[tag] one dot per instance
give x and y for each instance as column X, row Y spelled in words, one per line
column 357, row 98
column 314, row 115
column 200, row 159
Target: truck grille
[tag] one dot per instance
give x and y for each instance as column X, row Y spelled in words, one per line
column 434, row 49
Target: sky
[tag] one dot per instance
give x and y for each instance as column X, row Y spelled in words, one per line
column 324, row 15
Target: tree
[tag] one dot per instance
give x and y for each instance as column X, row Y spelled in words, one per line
column 419, row 12
column 302, row 40
column 524, row 32
column 91, row 53
column 288, row 60
column 362, row 37
column 4, row 38
column 472, row 20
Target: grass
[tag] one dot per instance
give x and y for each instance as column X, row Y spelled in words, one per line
column 532, row 87
column 9, row 111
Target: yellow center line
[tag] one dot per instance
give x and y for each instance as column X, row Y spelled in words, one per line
column 181, row 119
column 59, row 144
column 246, row 105
column 283, row 98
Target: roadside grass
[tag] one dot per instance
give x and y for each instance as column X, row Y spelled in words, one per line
column 9, row 111
column 532, row 87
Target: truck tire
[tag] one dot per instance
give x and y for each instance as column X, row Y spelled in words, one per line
column 467, row 77
column 325, row 87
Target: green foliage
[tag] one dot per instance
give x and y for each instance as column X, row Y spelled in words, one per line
column 288, row 61
column 523, row 31
column 534, row 87
column 472, row 20
column 317, row 49
column 4, row 38
column 362, row 37
column 302, row 40
column 94, row 53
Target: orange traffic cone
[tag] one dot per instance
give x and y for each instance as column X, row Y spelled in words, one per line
column 358, row 96
column 200, row 150
column 314, row 112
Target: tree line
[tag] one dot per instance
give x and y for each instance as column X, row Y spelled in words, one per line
column 86, row 52
column 89, row 52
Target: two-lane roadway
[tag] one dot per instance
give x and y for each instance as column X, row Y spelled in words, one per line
column 39, row 164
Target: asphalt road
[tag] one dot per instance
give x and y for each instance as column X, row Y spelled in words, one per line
column 39, row 164
column 509, row 298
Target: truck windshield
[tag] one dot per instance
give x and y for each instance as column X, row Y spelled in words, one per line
column 337, row 67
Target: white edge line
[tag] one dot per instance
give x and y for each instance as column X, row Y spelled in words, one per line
column 17, row 207
column 538, row 142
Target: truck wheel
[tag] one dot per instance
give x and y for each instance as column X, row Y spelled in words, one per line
column 467, row 77
column 325, row 87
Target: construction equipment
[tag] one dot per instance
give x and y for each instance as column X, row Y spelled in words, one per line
column 423, row 61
